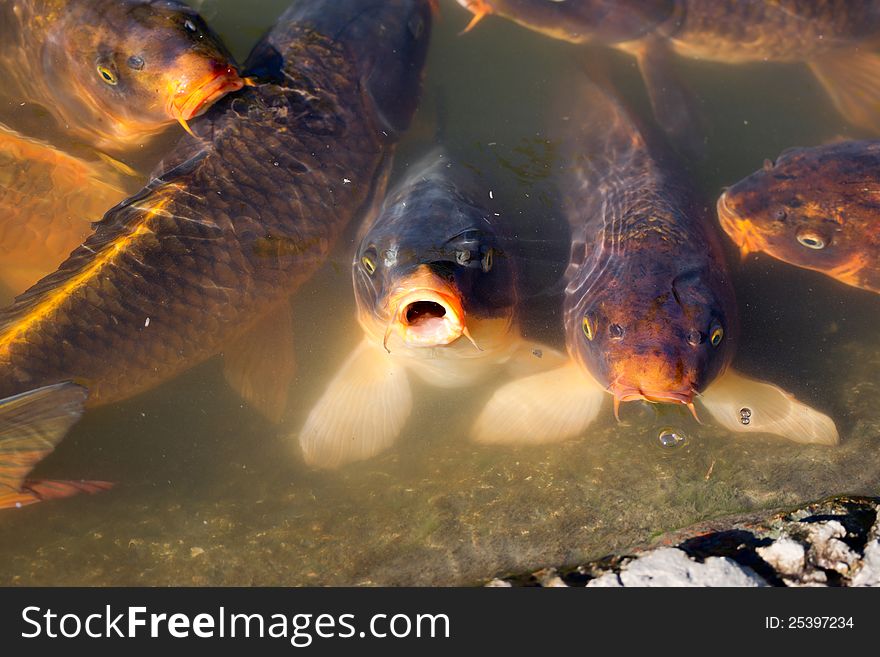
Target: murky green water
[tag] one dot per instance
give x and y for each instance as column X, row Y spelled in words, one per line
column 209, row 493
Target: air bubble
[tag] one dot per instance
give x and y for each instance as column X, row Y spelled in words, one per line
column 670, row 438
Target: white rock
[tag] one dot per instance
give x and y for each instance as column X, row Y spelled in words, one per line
column 785, row 556
column 672, row 567
column 828, row 551
column 868, row 573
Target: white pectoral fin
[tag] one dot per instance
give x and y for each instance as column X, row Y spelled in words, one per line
column 734, row 398
column 362, row 411
column 542, row 408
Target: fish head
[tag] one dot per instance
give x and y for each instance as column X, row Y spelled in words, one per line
column 140, row 66
column 803, row 209
column 604, row 21
column 386, row 40
column 431, row 271
column 655, row 339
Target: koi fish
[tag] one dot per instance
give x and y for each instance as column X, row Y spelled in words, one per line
column 837, row 39
column 649, row 309
column 113, row 72
column 816, row 208
column 436, row 299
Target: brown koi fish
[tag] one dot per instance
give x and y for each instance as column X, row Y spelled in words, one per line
column 112, row 74
column 816, row 208
column 194, row 264
column 837, row 39
column 649, row 309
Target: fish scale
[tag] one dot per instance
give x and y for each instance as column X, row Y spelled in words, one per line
column 186, row 252
column 836, row 39
column 779, row 30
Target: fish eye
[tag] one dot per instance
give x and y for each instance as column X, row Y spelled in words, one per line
column 368, row 261
column 588, row 328
column 135, row 62
column 811, row 239
column 108, row 76
column 488, row 260
column 695, row 337
column 716, row 336
column 369, row 264
column 779, row 214
column 189, row 26
column 616, row 331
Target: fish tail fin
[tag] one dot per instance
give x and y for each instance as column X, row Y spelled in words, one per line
column 31, row 425
column 852, row 80
column 361, row 413
column 741, row 404
column 542, row 408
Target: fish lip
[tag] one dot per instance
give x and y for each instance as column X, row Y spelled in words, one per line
column 727, row 219
column 433, row 332
column 741, row 231
column 205, row 93
column 626, row 393
column 623, row 393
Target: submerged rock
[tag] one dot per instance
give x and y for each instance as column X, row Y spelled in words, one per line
column 835, row 542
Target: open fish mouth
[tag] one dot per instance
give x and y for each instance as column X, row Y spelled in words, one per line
column 428, row 319
column 742, row 231
column 185, row 107
column 426, row 311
